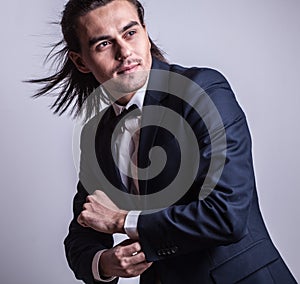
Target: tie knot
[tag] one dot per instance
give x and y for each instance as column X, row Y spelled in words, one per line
column 133, row 110
column 130, row 118
column 132, row 124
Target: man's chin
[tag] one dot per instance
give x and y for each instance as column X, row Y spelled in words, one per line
column 126, row 84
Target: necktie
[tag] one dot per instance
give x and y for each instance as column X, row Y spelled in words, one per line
column 128, row 148
column 133, row 125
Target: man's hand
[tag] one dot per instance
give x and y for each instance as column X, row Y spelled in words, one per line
column 124, row 260
column 101, row 214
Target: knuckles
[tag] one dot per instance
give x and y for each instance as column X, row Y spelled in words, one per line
column 119, row 254
column 131, row 272
column 86, row 206
column 89, row 199
column 83, row 215
column 99, row 193
column 124, row 264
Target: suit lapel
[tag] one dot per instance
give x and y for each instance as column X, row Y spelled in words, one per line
column 104, row 153
column 154, row 97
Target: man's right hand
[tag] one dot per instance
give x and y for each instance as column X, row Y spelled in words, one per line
column 124, row 260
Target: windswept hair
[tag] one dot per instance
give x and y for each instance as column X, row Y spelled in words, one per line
column 72, row 86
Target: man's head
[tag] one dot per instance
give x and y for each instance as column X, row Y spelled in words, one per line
column 103, row 39
column 113, row 44
column 74, row 9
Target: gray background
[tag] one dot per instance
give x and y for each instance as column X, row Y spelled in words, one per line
column 255, row 44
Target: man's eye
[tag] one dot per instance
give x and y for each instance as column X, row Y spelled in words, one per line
column 131, row 33
column 103, row 44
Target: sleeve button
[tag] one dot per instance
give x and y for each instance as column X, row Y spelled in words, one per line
column 174, row 249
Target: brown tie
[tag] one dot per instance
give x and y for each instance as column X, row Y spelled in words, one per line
column 133, row 126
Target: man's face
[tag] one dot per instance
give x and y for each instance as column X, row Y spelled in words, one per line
column 114, row 45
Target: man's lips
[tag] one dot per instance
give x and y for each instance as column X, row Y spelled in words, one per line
column 127, row 69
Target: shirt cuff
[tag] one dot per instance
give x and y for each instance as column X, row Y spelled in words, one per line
column 130, row 225
column 95, row 268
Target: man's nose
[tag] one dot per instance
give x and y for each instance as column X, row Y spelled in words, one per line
column 123, row 51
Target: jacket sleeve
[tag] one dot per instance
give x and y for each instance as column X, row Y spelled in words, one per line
column 221, row 217
column 81, row 244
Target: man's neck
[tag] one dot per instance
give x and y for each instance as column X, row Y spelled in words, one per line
column 123, row 101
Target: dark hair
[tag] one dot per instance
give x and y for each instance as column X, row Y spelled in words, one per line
column 72, row 85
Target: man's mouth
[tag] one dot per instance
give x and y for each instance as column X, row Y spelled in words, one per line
column 127, row 69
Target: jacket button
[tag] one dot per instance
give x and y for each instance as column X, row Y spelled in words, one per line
column 174, row 249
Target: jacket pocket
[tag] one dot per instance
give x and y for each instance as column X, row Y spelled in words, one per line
column 246, row 262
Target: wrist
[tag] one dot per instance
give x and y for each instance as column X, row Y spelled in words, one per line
column 102, row 273
column 121, row 221
column 97, row 269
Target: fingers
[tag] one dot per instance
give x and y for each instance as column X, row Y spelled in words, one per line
column 133, row 270
column 129, row 253
column 90, row 199
column 81, row 221
column 82, row 218
column 101, row 214
column 99, row 193
column 87, row 206
column 124, row 260
column 101, row 197
column 137, row 258
column 130, row 247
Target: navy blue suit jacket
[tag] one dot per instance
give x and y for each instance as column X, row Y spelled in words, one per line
column 217, row 239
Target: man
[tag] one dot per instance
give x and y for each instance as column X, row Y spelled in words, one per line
column 212, row 230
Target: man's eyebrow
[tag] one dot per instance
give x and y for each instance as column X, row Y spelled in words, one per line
column 94, row 40
column 129, row 26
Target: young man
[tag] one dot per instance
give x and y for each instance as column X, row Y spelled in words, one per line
column 209, row 228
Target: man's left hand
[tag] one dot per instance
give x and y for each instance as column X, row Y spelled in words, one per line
column 101, row 214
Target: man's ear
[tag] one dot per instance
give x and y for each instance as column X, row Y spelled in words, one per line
column 79, row 63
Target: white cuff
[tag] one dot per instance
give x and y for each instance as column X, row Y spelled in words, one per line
column 95, row 268
column 130, row 225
